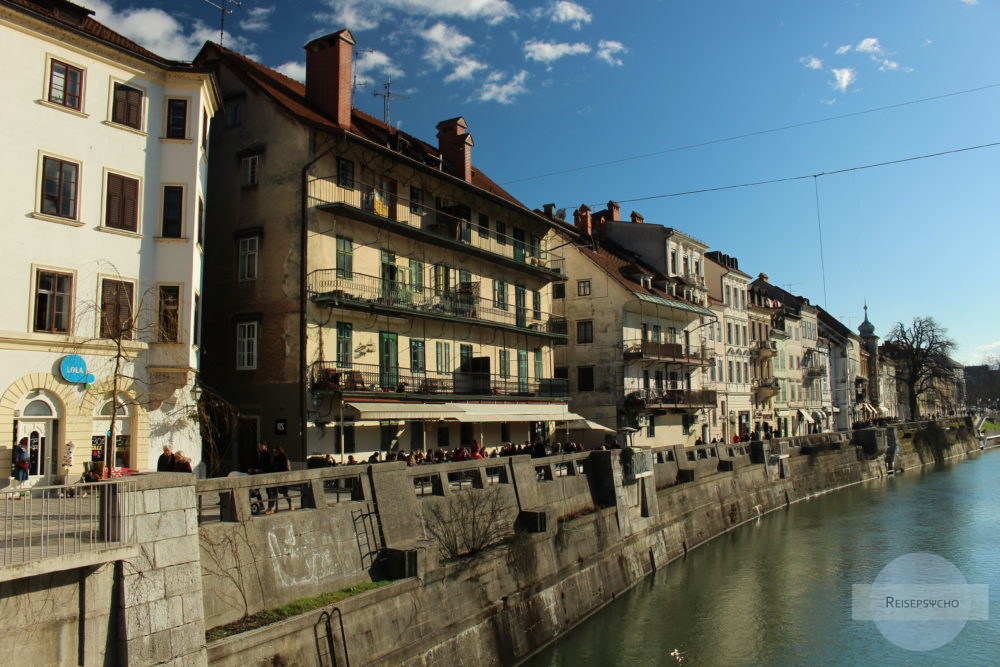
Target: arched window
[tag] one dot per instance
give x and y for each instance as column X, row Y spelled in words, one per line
column 37, row 408
column 122, row 410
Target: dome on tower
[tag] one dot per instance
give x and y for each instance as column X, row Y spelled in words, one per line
column 866, row 328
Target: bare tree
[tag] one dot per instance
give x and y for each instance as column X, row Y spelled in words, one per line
column 922, row 352
column 468, row 522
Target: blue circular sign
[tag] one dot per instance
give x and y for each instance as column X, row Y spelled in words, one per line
column 74, row 369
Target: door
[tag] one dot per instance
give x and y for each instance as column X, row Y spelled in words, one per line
column 388, row 354
column 522, row 371
column 388, row 276
column 520, row 308
column 37, row 434
column 519, row 244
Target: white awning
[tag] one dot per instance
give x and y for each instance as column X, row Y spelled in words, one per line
column 513, row 412
column 405, row 411
column 585, row 425
column 806, row 417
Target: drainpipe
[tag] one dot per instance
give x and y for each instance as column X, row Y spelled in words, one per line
column 303, row 301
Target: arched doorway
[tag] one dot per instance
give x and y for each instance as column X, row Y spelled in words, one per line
column 37, row 421
column 119, row 452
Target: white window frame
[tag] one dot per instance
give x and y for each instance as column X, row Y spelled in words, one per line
column 247, row 335
column 243, row 272
column 249, row 170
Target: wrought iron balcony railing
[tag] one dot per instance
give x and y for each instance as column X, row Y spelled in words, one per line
column 672, row 398
column 814, row 371
column 647, row 349
column 764, row 349
column 328, row 376
column 453, row 225
column 462, row 302
column 766, row 385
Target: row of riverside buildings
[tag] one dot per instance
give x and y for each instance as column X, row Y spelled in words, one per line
column 183, row 230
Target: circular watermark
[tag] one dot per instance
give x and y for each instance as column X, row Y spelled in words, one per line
column 920, row 601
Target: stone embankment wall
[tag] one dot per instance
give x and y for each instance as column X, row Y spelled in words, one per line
column 587, row 531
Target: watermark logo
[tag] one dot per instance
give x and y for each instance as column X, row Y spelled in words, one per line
column 920, row 601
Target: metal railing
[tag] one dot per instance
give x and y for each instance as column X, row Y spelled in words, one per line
column 764, row 348
column 814, row 371
column 766, row 384
column 673, row 397
column 327, row 376
column 49, row 521
column 463, row 302
column 443, row 224
column 637, row 348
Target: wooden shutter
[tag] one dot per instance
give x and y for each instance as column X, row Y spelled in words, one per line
column 134, row 101
column 113, row 214
column 116, row 309
column 118, row 109
column 130, row 204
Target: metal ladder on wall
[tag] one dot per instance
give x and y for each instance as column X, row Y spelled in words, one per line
column 326, row 654
column 367, row 534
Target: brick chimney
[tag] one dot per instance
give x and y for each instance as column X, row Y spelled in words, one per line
column 329, row 75
column 582, row 220
column 762, row 276
column 614, row 211
column 637, row 218
column 456, row 145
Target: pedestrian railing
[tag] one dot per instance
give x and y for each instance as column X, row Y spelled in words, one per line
column 49, row 521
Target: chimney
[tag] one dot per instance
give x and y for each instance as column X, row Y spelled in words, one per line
column 550, row 210
column 637, row 218
column 456, row 145
column 615, row 211
column 581, row 218
column 763, row 276
column 329, row 75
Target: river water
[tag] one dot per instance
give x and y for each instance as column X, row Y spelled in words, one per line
column 777, row 591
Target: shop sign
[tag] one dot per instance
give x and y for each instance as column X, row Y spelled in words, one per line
column 74, row 370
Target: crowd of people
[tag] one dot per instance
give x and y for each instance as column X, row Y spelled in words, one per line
column 171, row 461
column 473, row 452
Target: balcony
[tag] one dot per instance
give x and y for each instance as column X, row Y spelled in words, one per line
column 448, row 228
column 766, row 386
column 371, row 378
column 670, row 352
column 694, row 279
column 814, row 371
column 676, row 399
column 764, row 349
column 461, row 304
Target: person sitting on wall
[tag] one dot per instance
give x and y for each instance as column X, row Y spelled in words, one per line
column 182, row 463
column 166, row 461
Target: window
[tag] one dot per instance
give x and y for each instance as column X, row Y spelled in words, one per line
column 583, row 288
column 418, row 356
column 196, row 322
column 500, row 294
column 127, row 106
column 501, row 233
column 416, row 276
column 169, row 313
column 417, row 198
column 345, row 174
column 234, row 113
column 249, row 246
column 443, row 354
column 559, row 290
column 744, row 336
column 246, row 345
column 729, row 369
column 116, row 309
column 173, row 208
column 729, row 333
column 539, row 363
column 204, row 129
column 66, row 85
column 484, row 226
column 585, row 331
column 504, row 363
column 561, row 372
column 727, row 299
column 673, row 262
column 59, row 187
column 121, row 210
column 345, row 257
column 344, row 344
column 177, row 119
column 53, row 301
column 201, row 221
column 651, row 426
column 585, row 378
column 536, row 304
column 442, row 278
column 249, row 167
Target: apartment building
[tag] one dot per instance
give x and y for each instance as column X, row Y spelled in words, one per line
column 764, row 342
column 105, row 179
column 847, row 378
column 370, row 291
column 727, row 291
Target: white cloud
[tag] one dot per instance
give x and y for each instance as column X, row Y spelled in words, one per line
column 811, row 62
column 446, row 48
column 877, row 53
column 258, row 19
column 564, row 11
column 160, row 32
column 870, row 45
column 547, row 52
column 841, row 50
column 293, row 70
column 464, row 70
column 971, row 2
column 368, row 14
column 608, row 50
column 498, row 89
column 843, row 78
column 369, row 63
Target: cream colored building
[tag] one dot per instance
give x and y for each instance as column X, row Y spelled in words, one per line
column 105, row 186
column 764, row 343
column 727, row 287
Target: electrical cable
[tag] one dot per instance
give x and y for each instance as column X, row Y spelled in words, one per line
column 747, row 135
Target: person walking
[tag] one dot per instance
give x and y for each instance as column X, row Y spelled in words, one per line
column 280, row 463
column 21, row 458
column 264, row 464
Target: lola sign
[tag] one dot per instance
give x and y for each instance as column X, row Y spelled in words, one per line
column 74, row 369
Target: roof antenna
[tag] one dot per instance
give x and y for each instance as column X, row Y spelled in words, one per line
column 388, row 96
column 223, row 7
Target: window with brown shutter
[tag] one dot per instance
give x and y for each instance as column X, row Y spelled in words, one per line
column 122, row 209
column 127, row 107
column 116, row 309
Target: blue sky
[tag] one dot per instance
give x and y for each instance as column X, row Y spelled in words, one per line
column 548, row 86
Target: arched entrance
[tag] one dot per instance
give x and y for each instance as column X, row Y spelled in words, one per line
column 119, row 452
column 37, row 421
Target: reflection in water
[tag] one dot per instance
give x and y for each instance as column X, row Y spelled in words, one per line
column 778, row 590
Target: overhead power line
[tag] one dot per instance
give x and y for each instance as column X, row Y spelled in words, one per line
column 747, row 135
column 805, row 176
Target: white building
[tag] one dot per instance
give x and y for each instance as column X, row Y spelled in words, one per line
column 102, row 229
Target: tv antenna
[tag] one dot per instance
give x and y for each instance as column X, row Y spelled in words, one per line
column 224, row 8
column 387, row 97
